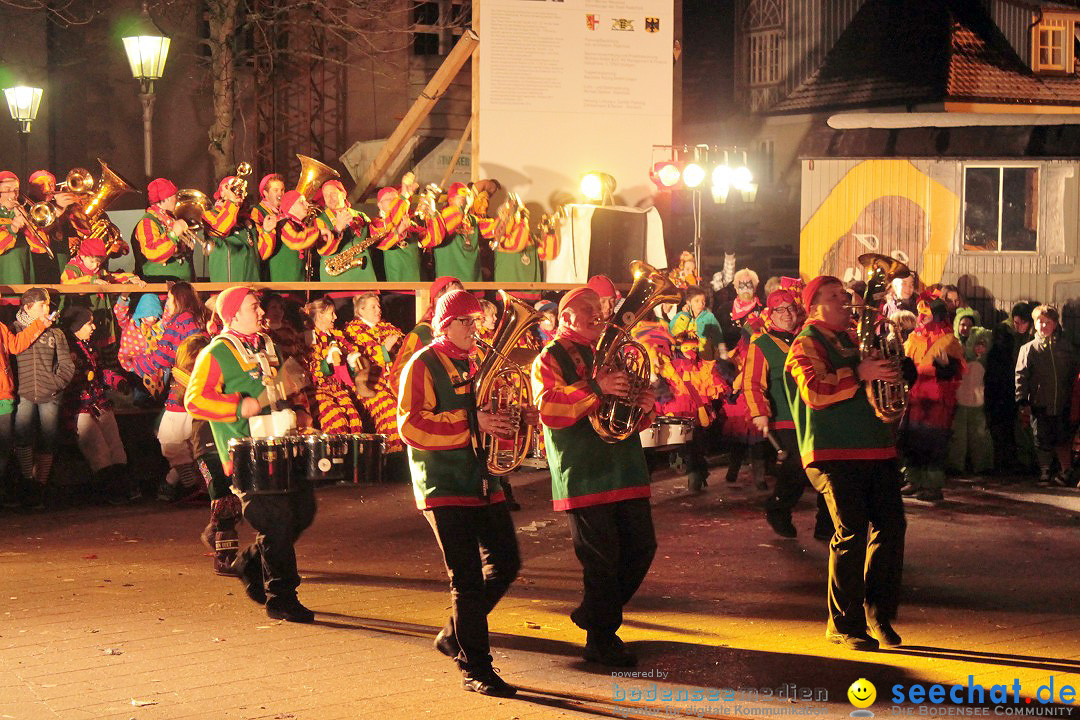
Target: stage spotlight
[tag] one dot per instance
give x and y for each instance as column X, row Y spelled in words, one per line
column 693, row 175
column 665, row 175
column 598, row 188
column 741, row 177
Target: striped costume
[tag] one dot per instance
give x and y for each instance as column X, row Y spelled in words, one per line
column 165, row 256
column 457, row 243
column 401, row 250
column 334, row 388
column 515, row 254
column 14, row 255
column 340, row 242
column 417, row 338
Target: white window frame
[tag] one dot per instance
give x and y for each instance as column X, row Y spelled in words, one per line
column 1062, row 25
column 765, row 57
column 1001, row 167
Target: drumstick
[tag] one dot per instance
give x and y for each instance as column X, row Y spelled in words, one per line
column 781, row 454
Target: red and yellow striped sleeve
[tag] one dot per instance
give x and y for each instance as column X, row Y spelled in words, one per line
column 819, row 385
column 386, row 228
column 38, row 242
column 120, row 278
column 755, row 382
column 7, row 237
column 204, row 398
column 560, row 405
column 418, row 423
column 548, row 247
column 297, row 236
column 330, row 238
column 486, row 226
column 409, row 347
column 221, row 218
column 447, row 223
column 156, row 245
column 516, row 238
column 264, row 241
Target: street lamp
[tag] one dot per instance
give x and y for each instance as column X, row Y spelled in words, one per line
column 146, row 47
column 23, row 103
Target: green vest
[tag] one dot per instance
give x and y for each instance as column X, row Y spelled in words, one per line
column 235, row 379
column 175, row 268
column 585, row 470
column 510, row 268
column 284, row 264
column 847, row 430
column 775, row 356
column 450, row 477
column 348, row 240
column 453, row 259
column 402, row 264
column 15, row 268
column 233, row 258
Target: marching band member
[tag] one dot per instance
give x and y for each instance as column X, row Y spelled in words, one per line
column 515, row 253
column 232, row 257
column 850, row 457
column 264, row 220
column 457, row 236
column 329, row 356
column 547, row 242
column 15, row 236
column 343, row 228
column 42, row 188
column 400, row 239
column 439, row 422
column 422, row 334
column 603, row 487
column 293, row 240
column 602, row 286
column 158, row 236
column 377, row 337
column 88, row 267
column 766, row 399
column 226, row 384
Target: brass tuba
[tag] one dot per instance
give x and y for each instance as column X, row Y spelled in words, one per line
column 617, row 418
column 312, row 176
column 889, row 399
column 502, row 384
column 190, row 206
column 88, row 217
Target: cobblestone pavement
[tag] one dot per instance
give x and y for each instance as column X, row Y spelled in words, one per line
column 114, row 613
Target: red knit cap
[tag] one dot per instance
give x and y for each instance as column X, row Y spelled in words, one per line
column 574, row 295
column 42, row 177
column 93, row 247
column 8, row 175
column 321, row 199
column 458, row 188
column 454, row 304
column 288, row 201
column 159, row 189
column 779, row 297
column 602, row 285
column 814, row 285
column 386, row 192
column 229, row 300
column 221, row 186
column 266, row 180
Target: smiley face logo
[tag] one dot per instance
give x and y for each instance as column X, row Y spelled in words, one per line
column 862, row 693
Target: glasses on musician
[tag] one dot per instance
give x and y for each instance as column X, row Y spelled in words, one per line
column 784, row 309
column 468, row 321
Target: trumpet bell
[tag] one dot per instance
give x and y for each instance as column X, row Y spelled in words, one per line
column 109, row 187
column 44, row 215
column 190, row 205
column 79, row 181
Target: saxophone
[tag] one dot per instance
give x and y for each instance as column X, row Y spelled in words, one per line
column 616, row 418
column 889, row 399
column 352, row 256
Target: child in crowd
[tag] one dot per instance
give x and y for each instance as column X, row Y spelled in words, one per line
column 971, row 441
column 44, row 368
column 14, row 343
column 139, row 334
column 1045, row 370
column 89, row 412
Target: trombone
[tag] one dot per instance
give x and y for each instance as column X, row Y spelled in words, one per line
column 33, row 228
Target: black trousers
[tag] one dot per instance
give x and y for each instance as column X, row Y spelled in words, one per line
column 615, row 544
column 866, row 556
column 279, row 520
column 480, row 551
column 791, row 481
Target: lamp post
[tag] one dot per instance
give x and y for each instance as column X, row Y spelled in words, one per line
column 23, row 103
column 146, row 47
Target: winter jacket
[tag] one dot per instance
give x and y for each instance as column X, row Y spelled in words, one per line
column 14, row 344
column 1045, row 370
column 45, row 368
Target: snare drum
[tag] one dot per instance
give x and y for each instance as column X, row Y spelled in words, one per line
column 368, row 457
column 667, row 431
column 266, row 466
column 327, row 457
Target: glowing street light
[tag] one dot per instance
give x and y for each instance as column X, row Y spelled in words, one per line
column 146, row 47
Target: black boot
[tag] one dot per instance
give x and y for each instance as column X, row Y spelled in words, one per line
column 508, row 491
column 226, row 545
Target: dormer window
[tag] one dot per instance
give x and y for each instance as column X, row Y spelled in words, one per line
column 1052, row 41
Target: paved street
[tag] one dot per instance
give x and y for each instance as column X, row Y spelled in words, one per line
column 114, row 613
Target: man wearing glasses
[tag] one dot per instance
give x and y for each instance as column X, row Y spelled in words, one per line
column 440, row 425
column 763, row 387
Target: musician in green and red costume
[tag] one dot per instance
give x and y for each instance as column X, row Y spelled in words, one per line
column 226, row 388
column 343, row 228
column 401, row 238
column 766, row 402
column 422, row 334
column 16, row 240
column 850, row 457
column 440, row 423
column 603, row 487
column 293, row 240
column 41, row 187
column 233, row 257
column 458, row 235
column 264, row 219
column 158, row 233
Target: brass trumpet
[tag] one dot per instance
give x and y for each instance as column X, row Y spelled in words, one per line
column 190, row 206
column 239, row 184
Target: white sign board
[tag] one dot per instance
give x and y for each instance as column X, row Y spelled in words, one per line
column 568, row 87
